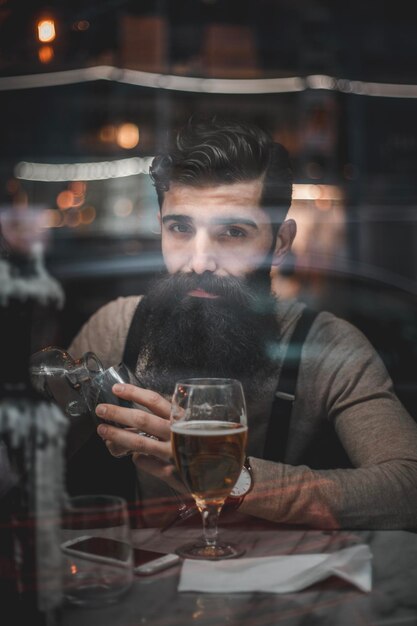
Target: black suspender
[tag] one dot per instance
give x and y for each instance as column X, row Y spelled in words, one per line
column 279, row 420
column 131, row 349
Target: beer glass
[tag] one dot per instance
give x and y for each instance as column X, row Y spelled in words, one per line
column 208, row 435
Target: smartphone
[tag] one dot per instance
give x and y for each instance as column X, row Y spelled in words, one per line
column 148, row 562
column 113, row 552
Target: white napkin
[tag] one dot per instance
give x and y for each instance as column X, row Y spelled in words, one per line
column 278, row 574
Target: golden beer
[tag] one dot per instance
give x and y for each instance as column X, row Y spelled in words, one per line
column 209, row 455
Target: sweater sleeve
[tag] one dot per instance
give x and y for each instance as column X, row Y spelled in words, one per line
column 343, row 378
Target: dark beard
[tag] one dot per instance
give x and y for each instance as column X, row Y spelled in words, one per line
column 230, row 336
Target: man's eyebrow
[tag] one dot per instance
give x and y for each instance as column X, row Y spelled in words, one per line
column 218, row 221
column 227, row 221
column 176, row 218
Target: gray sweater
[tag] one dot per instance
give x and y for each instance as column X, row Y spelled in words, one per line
column 351, row 455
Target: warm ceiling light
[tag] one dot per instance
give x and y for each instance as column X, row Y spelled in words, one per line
column 127, row 136
column 46, row 30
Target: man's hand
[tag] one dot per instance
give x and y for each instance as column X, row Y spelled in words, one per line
column 155, row 422
column 151, row 454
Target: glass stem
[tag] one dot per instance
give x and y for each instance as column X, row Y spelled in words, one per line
column 210, row 516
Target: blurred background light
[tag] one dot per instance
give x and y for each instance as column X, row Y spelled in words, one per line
column 52, row 218
column 72, row 218
column 314, row 192
column 108, row 133
column 46, row 30
column 100, row 170
column 88, row 215
column 46, row 54
column 81, row 25
column 127, row 136
column 123, row 207
column 192, row 84
column 65, row 200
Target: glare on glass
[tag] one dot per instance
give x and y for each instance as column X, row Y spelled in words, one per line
column 208, row 434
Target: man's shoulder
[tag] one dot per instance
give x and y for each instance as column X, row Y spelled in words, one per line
column 331, row 325
column 333, row 339
column 123, row 306
column 325, row 325
column 106, row 330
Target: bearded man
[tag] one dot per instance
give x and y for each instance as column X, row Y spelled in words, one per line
column 348, row 456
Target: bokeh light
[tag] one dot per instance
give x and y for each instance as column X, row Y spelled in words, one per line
column 52, row 218
column 108, row 133
column 45, row 54
column 123, row 207
column 65, row 200
column 88, row 215
column 127, row 136
column 81, row 25
column 78, row 187
column 72, row 218
column 46, row 30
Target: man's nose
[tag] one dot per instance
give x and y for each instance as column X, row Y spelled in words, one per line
column 203, row 256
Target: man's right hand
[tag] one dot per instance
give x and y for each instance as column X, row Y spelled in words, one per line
column 150, row 454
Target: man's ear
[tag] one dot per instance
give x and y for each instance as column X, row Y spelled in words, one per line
column 286, row 234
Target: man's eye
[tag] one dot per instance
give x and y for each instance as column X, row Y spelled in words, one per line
column 234, row 232
column 180, row 228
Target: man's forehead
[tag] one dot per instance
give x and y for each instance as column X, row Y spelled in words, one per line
column 243, row 195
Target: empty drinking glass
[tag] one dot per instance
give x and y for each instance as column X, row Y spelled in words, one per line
column 97, row 550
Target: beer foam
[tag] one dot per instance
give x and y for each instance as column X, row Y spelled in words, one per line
column 207, row 428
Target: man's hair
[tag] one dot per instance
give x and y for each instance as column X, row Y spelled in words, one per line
column 215, row 151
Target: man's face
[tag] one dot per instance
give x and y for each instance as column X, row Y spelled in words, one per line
column 218, row 229
column 213, row 314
